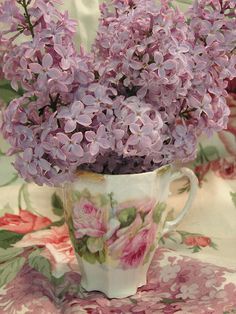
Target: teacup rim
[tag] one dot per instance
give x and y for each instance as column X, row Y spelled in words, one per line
column 159, row 171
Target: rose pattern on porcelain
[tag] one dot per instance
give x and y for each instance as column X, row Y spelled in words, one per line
column 121, row 234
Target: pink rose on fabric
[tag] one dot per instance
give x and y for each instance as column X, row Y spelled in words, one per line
column 225, row 168
column 23, row 223
column 57, row 248
column 61, row 256
column 197, row 241
column 88, row 219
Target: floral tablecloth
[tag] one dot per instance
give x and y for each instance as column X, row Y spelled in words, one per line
column 193, row 270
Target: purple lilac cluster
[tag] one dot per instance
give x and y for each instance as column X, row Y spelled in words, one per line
column 154, row 82
column 174, row 69
column 48, row 68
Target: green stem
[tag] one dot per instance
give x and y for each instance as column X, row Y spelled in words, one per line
column 203, row 153
column 20, row 196
column 172, row 239
column 25, row 4
column 184, row 1
column 162, row 240
column 54, row 102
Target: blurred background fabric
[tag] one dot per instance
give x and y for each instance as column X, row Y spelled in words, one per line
column 86, row 12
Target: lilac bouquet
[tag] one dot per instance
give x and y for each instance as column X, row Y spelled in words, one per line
column 154, row 82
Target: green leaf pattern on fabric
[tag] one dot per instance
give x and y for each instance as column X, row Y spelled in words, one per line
column 10, row 269
column 57, row 205
column 7, row 238
column 10, row 253
column 40, row 263
column 12, row 180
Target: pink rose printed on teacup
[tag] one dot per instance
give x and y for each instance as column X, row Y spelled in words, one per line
column 136, row 248
column 88, row 219
column 124, row 233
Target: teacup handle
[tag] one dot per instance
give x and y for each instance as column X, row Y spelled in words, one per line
column 183, row 172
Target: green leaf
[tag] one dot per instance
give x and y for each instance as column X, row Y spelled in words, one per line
column 72, row 234
column 127, row 216
column 102, row 257
column 6, row 86
column 35, row 253
column 95, row 244
column 171, row 5
column 7, row 238
column 207, row 154
column 57, row 223
column 162, row 240
column 104, row 200
column 9, row 270
column 195, row 249
column 211, row 152
column 185, row 1
column 76, row 195
column 214, row 246
column 198, row 159
column 233, row 195
column 185, row 188
column 89, row 257
column 58, row 281
column 12, row 180
column 2, row 153
column 7, row 94
column 171, row 301
column 158, row 211
column 172, row 239
column 81, row 245
column 57, row 205
column 40, row 263
column 10, row 253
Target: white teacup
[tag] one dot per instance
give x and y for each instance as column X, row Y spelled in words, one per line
column 115, row 224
